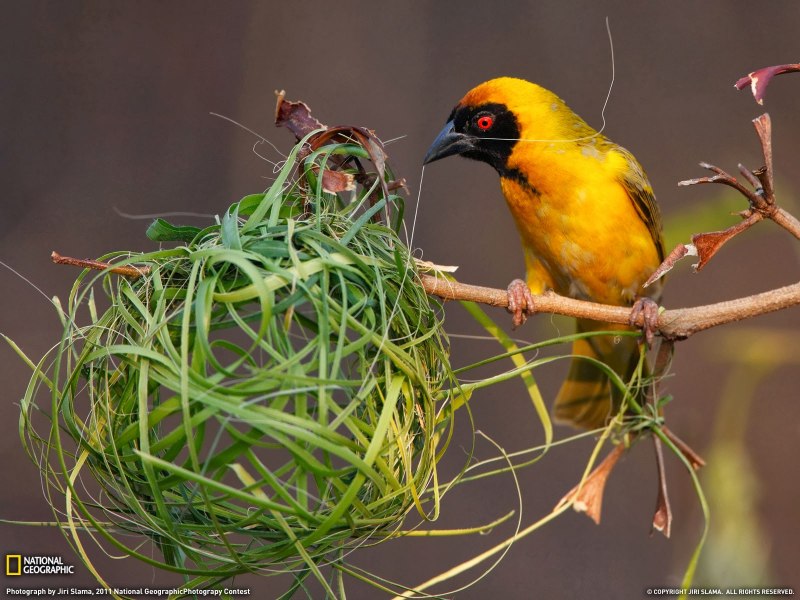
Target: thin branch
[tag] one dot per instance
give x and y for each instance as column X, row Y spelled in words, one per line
column 127, row 270
column 675, row 324
column 788, row 221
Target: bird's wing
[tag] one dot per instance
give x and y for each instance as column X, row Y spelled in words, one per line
column 640, row 191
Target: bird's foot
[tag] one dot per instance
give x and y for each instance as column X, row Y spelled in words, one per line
column 648, row 309
column 520, row 302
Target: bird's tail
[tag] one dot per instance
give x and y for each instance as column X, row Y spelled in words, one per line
column 587, row 398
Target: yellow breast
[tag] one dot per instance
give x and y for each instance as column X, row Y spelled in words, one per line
column 581, row 231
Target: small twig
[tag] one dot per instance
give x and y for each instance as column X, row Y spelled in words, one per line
column 761, row 199
column 757, row 194
column 127, row 270
column 788, row 221
column 763, row 125
column 720, row 177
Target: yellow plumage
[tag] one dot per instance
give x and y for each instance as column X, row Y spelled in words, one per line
column 585, row 211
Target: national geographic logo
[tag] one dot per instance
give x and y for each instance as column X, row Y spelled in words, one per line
column 16, row 564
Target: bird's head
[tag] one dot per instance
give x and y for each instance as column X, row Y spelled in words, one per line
column 490, row 119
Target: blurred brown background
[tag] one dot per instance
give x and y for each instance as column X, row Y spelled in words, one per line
column 105, row 110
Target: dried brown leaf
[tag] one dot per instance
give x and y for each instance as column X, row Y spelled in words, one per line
column 337, row 181
column 588, row 496
column 708, row 244
column 662, row 518
column 295, row 116
column 759, row 80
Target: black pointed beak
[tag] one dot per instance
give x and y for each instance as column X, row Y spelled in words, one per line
column 447, row 143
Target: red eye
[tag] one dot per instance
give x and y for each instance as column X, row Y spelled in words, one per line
column 485, row 122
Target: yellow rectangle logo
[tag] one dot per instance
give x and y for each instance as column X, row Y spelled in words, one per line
column 10, row 568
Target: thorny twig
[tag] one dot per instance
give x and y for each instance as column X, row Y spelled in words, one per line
column 760, row 196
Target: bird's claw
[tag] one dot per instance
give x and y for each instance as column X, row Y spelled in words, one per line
column 648, row 309
column 520, row 302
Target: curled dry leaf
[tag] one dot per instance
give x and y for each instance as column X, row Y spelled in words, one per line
column 708, row 244
column 337, row 181
column 662, row 518
column 295, row 116
column 587, row 496
column 759, row 80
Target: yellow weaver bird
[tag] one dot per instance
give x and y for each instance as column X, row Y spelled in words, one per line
column 586, row 214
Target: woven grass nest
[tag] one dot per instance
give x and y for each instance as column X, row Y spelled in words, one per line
column 266, row 395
